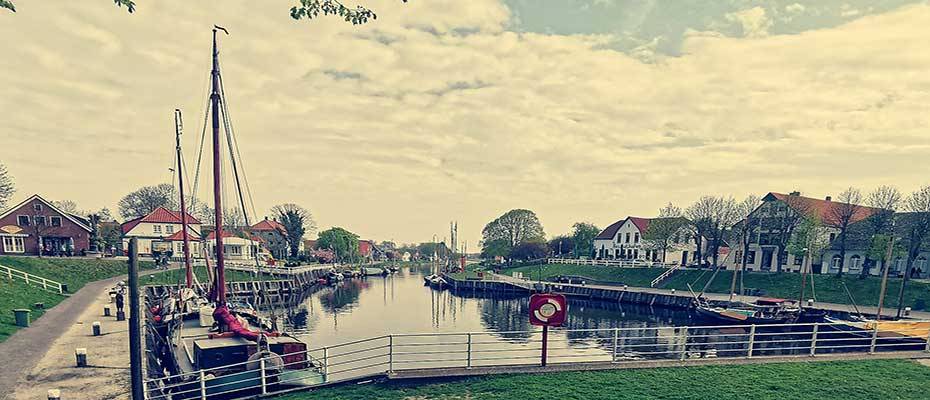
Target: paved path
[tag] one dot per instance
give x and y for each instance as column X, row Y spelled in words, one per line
column 22, row 351
column 888, row 311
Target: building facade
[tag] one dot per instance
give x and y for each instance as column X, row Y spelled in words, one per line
column 153, row 229
column 274, row 235
column 624, row 240
column 36, row 225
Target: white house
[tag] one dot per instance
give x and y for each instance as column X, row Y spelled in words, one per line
column 236, row 247
column 624, row 240
column 153, row 230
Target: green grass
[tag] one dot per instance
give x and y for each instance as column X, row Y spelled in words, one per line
column 74, row 272
column 829, row 288
column 175, row 276
column 875, row 379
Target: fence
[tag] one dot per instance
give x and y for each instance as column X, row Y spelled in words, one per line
column 611, row 263
column 31, row 279
column 419, row 354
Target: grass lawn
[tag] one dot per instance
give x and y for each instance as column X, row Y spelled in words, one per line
column 75, row 272
column 876, row 379
column 828, row 288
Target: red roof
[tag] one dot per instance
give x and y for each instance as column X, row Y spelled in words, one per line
column 179, row 236
column 228, row 234
column 611, row 231
column 826, row 210
column 269, row 225
column 160, row 215
column 641, row 223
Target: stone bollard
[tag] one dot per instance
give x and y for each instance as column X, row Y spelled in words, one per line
column 80, row 357
column 907, row 311
column 54, row 394
column 120, row 316
column 673, row 291
column 810, row 302
column 96, row 328
column 625, row 287
column 106, row 311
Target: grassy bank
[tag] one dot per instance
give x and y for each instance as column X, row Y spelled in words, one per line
column 175, row 276
column 878, row 379
column 828, row 288
column 74, row 272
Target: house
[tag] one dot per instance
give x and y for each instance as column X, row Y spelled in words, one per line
column 861, row 258
column 274, row 235
column 36, row 224
column 238, row 248
column 176, row 244
column 773, row 223
column 624, row 240
column 152, row 229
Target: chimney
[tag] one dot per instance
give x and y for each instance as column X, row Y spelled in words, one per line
column 795, row 193
column 828, row 198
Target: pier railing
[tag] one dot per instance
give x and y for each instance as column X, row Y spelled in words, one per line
column 447, row 354
column 611, row 263
column 30, row 279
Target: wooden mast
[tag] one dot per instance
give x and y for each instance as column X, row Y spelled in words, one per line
column 178, row 127
column 217, row 166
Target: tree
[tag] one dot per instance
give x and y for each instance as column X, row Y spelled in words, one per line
column 527, row 251
column 808, row 238
column 514, row 227
column 561, row 244
column 916, row 230
column 886, row 199
column 662, row 230
column 7, row 187
column 297, row 221
column 843, row 213
column 583, row 234
column 783, row 220
column 146, row 199
column 342, row 242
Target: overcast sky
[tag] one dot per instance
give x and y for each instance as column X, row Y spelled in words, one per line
column 579, row 110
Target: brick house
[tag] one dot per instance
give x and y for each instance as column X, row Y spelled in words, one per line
column 274, row 235
column 37, row 224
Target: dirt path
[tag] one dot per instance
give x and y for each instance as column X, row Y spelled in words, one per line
column 22, row 351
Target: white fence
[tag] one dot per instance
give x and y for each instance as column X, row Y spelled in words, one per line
column 612, row 263
column 31, row 279
column 421, row 353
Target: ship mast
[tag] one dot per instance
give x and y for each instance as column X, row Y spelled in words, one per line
column 217, row 166
column 178, row 127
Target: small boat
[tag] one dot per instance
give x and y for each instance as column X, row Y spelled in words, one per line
column 429, row 278
column 373, row 271
column 762, row 311
column 438, row 283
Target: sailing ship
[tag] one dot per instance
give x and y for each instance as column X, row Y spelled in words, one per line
column 213, row 333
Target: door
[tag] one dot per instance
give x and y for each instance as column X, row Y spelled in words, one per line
column 684, row 257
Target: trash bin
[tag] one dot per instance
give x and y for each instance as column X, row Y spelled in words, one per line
column 22, row 317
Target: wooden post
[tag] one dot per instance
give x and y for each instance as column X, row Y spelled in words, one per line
column 135, row 331
column 96, row 328
column 80, row 357
column 545, row 344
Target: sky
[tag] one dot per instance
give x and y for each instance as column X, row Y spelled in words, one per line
column 440, row 110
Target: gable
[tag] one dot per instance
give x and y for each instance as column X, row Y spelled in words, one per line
column 49, row 210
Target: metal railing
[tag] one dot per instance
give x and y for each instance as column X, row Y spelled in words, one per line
column 664, row 275
column 30, row 279
column 422, row 353
column 612, row 263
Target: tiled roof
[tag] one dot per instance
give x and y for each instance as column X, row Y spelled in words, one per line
column 179, row 236
column 159, row 215
column 269, row 225
column 826, row 210
column 608, row 233
column 228, row 234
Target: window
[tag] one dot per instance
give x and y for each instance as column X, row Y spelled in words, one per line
column 169, row 228
column 635, row 253
column 56, row 221
column 156, row 228
column 37, row 207
column 40, row 220
column 13, row 244
column 636, row 237
column 798, row 260
column 751, row 257
column 855, row 262
column 627, row 237
column 835, row 262
column 22, row 220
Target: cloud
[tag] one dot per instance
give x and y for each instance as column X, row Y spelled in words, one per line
column 438, row 111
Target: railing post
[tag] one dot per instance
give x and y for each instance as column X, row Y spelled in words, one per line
column 203, row 386
column 264, row 378
column 874, row 339
column 752, row 339
column 814, row 339
column 927, row 349
column 145, row 390
column 684, row 345
column 616, row 340
column 390, row 354
column 468, row 361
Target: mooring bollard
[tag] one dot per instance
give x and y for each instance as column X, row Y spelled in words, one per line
column 120, row 316
column 673, row 291
column 106, row 311
column 96, row 327
column 907, row 311
column 54, row 394
column 80, row 356
column 810, row 302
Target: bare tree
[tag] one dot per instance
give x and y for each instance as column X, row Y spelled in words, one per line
column 743, row 229
column 702, row 215
column 916, row 229
column 786, row 217
column 146, row 199
column 886, row 199
column 7, row 188
column 297, row 221
column 663, row 229
column 844, row 212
